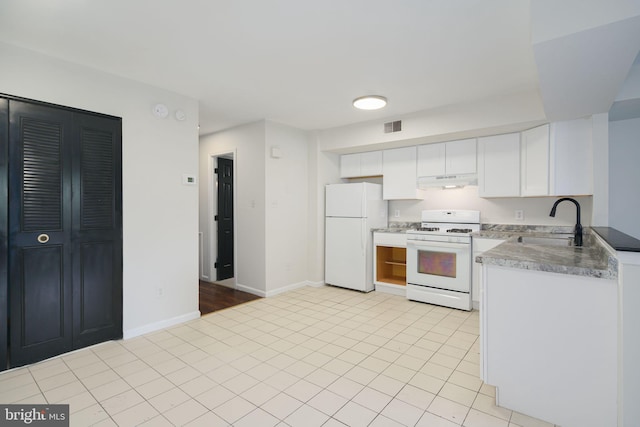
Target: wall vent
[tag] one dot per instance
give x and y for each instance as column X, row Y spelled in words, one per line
column 393, row 126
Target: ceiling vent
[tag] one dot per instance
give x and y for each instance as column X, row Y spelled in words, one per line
column 393, row 126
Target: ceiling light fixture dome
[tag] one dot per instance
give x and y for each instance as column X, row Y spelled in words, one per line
column 370, row 102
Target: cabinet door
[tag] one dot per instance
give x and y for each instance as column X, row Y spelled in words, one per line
column 461, row 157
column 399, row 174
column 499, row 165
column 349, row 165
column 535, row 162
column 371, row 163
column 431, row 159
column 571, row 158
column 480, row 245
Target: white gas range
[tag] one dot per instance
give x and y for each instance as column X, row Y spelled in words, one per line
column 439, row 258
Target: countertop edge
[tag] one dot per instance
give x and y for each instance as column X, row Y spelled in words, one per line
column 515, row 255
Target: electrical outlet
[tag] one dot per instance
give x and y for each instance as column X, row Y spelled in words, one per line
column 396, row 214
column 519, row 215
column 159, row 292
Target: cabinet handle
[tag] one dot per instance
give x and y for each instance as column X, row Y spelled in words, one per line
column 43, row 238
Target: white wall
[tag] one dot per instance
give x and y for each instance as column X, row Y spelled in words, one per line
column 324, row 168
column 286, row 212
column 509, row 113
column 160, row 231
column 493, row 211
column 248, row 143
column 624, row 176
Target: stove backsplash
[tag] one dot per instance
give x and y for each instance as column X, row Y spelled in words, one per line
column 403, row 224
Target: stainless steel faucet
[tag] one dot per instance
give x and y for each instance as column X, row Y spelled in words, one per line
column 577, row 237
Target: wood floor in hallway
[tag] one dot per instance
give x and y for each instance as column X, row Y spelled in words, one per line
column 215, row 297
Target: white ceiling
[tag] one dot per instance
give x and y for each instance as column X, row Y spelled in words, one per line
column 292, row 61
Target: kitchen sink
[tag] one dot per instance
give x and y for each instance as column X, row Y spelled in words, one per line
column 546, row 241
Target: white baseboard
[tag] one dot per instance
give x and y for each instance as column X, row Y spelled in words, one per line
column 251, row 290
column 152, row 327
column 287, row 288
column 278, row 291
column 316, row 284
column 391, row 289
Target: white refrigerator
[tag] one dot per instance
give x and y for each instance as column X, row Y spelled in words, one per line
column 351, row 211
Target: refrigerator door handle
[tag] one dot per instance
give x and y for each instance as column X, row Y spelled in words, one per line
column 363, row 239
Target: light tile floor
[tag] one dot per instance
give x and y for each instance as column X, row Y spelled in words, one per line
column 310, row 357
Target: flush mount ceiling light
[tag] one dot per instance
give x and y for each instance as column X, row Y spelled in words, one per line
column 370, row 102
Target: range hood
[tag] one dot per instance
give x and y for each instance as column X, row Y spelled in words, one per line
column 445, row 181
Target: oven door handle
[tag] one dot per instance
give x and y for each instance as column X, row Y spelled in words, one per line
column 427, row 245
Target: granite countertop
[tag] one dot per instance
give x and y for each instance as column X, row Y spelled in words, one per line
column 397, row 227
column 390, row 230
column 593, row 259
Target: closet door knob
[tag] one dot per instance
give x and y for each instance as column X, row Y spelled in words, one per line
column 43, row 238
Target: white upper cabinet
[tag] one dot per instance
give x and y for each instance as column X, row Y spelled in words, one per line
column 571, row 159
column 447, row 158
column 535, row 162
column 371, row 163
column 361, row 164
column 349, row 165
column 431, row 159
column 557, row 159
column 499, row 165
column 399, row 167
column 461, row 157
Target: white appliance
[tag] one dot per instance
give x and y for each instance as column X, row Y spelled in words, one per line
column 352, row 210
column 439, row 258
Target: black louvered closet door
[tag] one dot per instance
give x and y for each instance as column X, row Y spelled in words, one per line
column 39, row 232
column 65, row 231
column 97, row 235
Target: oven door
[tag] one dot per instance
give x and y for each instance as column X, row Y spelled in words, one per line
column 440, row 265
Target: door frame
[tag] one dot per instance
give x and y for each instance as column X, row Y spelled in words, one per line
column 212, row 205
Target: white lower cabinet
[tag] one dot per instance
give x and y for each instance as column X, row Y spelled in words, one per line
column 390, row 262
column 548, row 343
column 480, row 245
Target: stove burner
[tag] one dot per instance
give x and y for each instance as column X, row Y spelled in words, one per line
column 459, row 230
column 429, row 229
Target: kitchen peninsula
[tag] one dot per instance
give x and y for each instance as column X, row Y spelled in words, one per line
column 552, row 328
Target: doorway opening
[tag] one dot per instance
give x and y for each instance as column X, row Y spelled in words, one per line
column 219, row 248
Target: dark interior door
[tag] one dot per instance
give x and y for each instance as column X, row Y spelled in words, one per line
column 224, row 265
column 39, row 232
